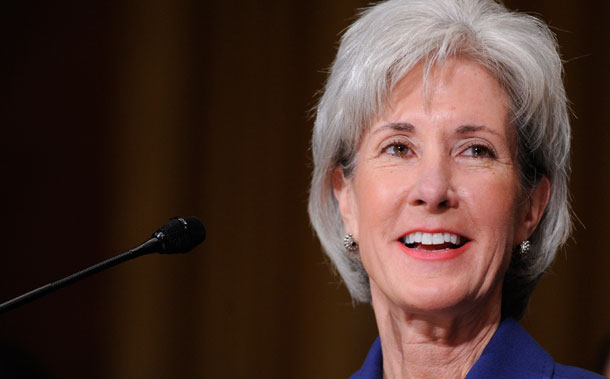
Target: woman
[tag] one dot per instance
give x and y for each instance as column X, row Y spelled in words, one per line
column 441, row 151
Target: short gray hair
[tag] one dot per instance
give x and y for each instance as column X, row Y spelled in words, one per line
column 381, row 47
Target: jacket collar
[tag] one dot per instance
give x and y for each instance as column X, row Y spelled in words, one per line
column 512, row 353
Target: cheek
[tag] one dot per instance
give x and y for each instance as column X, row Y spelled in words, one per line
column 492, row 201
column 379, row 202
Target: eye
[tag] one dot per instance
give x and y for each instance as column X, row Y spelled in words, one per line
column 398, row 149
column 479, row 151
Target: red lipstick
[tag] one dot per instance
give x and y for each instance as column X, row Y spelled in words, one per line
column 437, row 251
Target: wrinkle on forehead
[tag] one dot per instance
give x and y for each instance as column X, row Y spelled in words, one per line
column 432, row 80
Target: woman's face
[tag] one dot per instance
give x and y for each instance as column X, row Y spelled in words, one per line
column 435, row 202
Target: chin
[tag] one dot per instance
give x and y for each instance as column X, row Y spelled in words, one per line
column 432, row 298
column 444, row 295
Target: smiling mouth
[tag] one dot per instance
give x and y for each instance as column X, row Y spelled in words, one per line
column 433, row 241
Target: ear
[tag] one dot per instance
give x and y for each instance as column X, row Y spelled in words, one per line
column 342, row 188
column 535, row 205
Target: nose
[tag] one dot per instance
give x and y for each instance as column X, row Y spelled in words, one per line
column 433, row 189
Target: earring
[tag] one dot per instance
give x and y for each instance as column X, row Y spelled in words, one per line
column 349, row 243
column 524, row 248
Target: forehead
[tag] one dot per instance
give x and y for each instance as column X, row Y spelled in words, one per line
column 457, row 87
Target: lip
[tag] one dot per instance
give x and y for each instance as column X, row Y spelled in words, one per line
column 439, row 255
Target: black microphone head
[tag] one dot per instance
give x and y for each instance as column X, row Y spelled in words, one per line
column 180, row 235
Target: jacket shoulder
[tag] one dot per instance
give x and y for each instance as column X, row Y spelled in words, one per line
column 570, row 372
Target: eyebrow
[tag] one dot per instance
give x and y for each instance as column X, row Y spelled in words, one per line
column 409, row 128
column 398, row 126
column 465, row 129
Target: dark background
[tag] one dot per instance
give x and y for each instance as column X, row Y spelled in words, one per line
column 120, row 115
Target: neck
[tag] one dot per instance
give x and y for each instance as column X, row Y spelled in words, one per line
column 438, row 345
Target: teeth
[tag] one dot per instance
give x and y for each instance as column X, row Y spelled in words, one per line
column 426, row 238
column 432, row 238
column 438, row 239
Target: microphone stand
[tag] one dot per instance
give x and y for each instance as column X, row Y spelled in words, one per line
column 146, row 248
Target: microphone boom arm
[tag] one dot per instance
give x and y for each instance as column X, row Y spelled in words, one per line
column 179, row 235
column 145, row 248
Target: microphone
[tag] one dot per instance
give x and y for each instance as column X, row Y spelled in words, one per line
column 179, row 235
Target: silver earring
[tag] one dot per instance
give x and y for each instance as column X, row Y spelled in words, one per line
column 524, row 248
column 350, row 244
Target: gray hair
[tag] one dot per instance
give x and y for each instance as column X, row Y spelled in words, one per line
column 381, row 47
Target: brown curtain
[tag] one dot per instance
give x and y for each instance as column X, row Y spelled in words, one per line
column 120, row 116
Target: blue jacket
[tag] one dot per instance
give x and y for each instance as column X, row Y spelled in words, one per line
column 511, row 353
